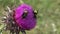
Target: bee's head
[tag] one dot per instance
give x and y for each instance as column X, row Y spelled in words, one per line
column 35, row 13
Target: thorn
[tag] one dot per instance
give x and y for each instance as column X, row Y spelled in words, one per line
column 9, row 9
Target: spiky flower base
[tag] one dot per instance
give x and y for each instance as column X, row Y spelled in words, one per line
column 10, row 24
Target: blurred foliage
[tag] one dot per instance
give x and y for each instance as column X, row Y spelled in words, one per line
column 48, row 13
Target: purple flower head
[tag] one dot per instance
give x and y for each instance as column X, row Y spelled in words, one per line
column 27, row 21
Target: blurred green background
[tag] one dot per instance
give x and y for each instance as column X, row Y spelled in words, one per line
column 48, row 17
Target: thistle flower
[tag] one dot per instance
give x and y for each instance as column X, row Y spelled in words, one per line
column 20, row 19
column 24, row 17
